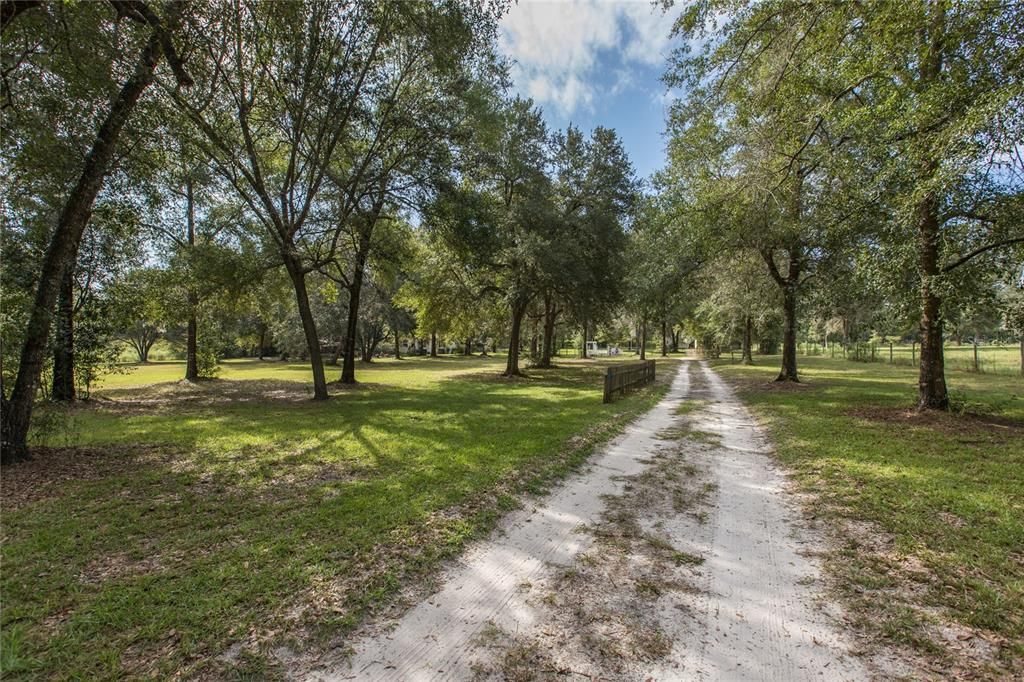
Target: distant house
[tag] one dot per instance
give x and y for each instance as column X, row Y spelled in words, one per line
column 594, row 349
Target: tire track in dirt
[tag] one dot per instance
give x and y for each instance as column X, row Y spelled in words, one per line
column 758, row 614
column 436, row 639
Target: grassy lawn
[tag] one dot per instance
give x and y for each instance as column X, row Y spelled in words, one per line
column 134, row 375
column 170, row 529
column 413, row 371
column 941, row 567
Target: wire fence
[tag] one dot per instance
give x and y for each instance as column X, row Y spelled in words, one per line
column 984, row 359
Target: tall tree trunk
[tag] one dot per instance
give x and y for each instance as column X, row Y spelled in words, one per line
column 931, row 382
column 355, row 292
column 469, row 348
column 16, row 414
column 191, row 341
column 977, row 367
column 664, row 338
column 643, row 338
column 369, row 347
column 367, row 223
column 675, row 341
column 191, row 346
column 316, row 360
column 398, row 346
column 433, row 344
column 748, row 355
column 512, row 364
column 348, row 345
column 533, row 344
column 789, row 284
column 263, row 340
column 64, row 348
column 348, row 353
column 548, row 346
column 788, row 371
column 585, row 330
column 143, row 350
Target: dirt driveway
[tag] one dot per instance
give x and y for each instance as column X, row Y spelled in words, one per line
column 675, row 555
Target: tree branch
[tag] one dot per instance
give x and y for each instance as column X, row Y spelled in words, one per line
column 980, row 250
column 10, row 9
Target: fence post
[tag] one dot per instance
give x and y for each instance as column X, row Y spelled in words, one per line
column 608, row 385
column 890, row 352
column 913, row 352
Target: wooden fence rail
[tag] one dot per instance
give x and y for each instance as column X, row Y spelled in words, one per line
column 619, row 379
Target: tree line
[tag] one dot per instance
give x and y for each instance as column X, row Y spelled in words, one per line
column 843, row 169
column 320, row 174
column 321, row 179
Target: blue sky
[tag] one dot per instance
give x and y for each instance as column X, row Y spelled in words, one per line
column 595, row 62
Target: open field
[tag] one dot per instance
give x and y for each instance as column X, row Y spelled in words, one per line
column 928, row 509
column 163, row 350
column 992, row 359
column 412, row 371
column 190, row 529
column 137, row 375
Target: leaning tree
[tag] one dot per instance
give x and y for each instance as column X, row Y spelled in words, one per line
column 133, row 36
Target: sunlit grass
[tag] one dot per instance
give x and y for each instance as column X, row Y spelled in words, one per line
column 949, row 489
column 992, row 359
column 416, row 370
column 174, row 520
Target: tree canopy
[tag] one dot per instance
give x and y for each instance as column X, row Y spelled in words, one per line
column 323, row 180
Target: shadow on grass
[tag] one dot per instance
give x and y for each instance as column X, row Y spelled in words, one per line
column 947, row 490
column 219, row 513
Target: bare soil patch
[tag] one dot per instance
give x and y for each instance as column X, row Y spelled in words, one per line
column 750, row 384
column 890, row 606
column 50, row 470
column 204, row 393
column 968, row 425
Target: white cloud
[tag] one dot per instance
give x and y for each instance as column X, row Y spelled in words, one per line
column 624, row 80
column 556, row 46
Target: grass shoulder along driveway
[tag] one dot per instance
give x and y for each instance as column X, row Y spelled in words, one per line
column 927, row 510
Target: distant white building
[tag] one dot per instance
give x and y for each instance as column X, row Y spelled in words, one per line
column 594, row 349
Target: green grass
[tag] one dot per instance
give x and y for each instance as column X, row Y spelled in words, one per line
column 133, row 374
column 415, row 371
column 946, row 491
column 159, row 526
